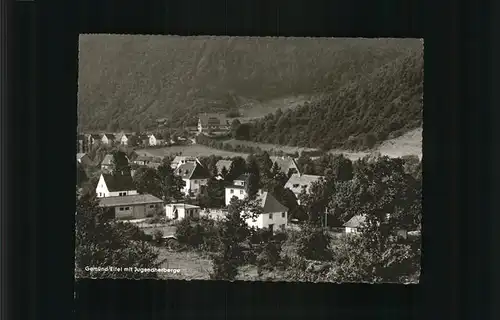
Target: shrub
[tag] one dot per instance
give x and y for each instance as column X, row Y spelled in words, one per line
column 314, row 243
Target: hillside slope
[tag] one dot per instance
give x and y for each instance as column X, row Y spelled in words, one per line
column 382, row 105
column 128, row 81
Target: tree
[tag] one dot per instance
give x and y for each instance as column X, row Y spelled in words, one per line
column 224, row 173
column 171, row 184
column 314, row 243
column 120, row 163
column 265, row 164
column 101, row 243
column 213, row 197
column 253, row 183
column 232, row 232
column 316, row 201
column 234, row 127
column 147, row 181
column 81, row 175
column 238, row 167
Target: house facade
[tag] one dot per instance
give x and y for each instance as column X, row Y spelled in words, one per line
column 142, row 160
column 156, row 140
column 135, row 206
column 286, row 164
column 115, row 186
column 212, row 121
column 124, row 139
column 179, row 211
column 237, row 189
column 354, row 225
column 195, row 177
column 299, row 182
column 108, row 138
column 274, row 215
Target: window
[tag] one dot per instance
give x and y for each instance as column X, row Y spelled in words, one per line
column 282, row 214
column 231, row 191
column 121, row 209
column 127, row 208
column 282, row 227
column 296, row 185
column 270, row 216
column 241, row 191
column 271, row 227
column 151, row 205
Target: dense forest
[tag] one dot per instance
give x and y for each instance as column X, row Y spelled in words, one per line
column 382, row 105
column 128, row 82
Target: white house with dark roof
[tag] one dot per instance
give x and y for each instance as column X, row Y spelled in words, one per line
column 299, row 182
column 237, row 189
column 286, row 164
column 195, row 177
column 135, row 206
column 108, row 138
column 110, row 185
column 274, row 215
column 179, row 211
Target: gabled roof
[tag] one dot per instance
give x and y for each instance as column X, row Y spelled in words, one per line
column 108, row 160
column 302, row 180
column 269, row 203
column 129, row 200
column 213, row 119
column 355, row 221
column 119, row 182
column 285, row 163
column 110, row 136
column 223, row 164
column 80, row 155
column 192, row 170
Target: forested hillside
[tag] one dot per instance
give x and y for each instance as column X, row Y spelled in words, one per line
column 127, row 82
column 378, row 106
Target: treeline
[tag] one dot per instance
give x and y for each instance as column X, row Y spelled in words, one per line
column 130, row 81
column 382, row 105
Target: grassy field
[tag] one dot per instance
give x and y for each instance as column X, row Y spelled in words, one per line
column 195, row 150
column 254, row 110
column 268, row 146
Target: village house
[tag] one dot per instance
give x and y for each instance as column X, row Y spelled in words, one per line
column 108, row 138
column 286, row 164
column 92, row 139
column 212, row 122
column 195, row 177
column 83, row 158
column 273, row 216
column 354, row 225
column 136, row 206
column 299, row 182
column 220, row 165
column 143, row 160
column 237, row 189
column 156, row 140
column 125, row 138
column 115, row 185
column 179, row 211
column 178, row 160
